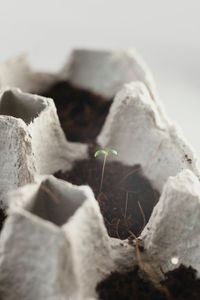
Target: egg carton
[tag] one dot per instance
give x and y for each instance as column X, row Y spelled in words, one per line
column 54, row 244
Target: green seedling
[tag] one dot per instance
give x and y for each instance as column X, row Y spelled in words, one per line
column 105, row 153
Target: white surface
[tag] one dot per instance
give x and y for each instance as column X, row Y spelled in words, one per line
column 166, row 33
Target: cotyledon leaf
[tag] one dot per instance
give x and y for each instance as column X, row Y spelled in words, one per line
column 99, row 152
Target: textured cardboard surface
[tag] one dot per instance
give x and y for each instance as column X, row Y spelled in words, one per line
column 142, row 135
column 62, row 244
column 32, row 141
column 174, row 229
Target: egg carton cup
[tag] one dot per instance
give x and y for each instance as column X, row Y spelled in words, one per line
column 32, row 141
column 60, row 225
column 143, row 136
column 56, row 242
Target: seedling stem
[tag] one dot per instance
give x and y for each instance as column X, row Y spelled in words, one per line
column 105, row 153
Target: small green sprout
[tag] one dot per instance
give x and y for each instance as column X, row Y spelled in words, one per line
column 105, row 153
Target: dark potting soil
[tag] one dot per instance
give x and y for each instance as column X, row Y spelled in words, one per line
column 180, row 283
column 81, row 112
column 2, row 218
column 127, row 197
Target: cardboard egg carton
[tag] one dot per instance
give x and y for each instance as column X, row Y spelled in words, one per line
column 54, row 238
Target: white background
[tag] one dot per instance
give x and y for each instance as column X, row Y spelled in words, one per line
column 165, row 32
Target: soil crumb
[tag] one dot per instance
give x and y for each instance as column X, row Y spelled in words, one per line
column 2, row 218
